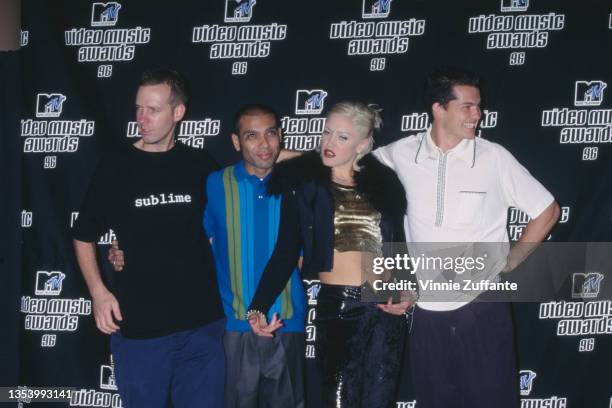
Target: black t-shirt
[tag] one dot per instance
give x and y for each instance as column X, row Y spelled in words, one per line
column 154, row 202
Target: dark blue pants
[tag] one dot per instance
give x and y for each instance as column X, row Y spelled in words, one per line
column 264, row 372
column 464, row 358
column 184, row 369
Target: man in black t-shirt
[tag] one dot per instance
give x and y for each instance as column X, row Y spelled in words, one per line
column 164, row 312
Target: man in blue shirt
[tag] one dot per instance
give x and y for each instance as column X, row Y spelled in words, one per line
column 242, row 222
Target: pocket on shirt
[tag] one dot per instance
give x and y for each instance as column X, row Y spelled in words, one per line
column 471, row 206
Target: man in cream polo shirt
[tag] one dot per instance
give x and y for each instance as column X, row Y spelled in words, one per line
column 459, row 189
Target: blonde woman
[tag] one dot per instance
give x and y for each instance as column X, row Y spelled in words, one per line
column 339, row 205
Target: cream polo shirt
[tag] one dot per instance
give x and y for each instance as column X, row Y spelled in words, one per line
column 462, row 195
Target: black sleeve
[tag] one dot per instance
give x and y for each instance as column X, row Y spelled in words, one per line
column 284, row 257
column 207, row 166
column 93, row 220
column 208, row 162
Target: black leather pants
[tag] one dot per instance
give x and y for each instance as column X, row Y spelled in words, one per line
column 359, row 349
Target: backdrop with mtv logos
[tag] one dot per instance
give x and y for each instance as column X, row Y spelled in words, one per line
column 546, row 68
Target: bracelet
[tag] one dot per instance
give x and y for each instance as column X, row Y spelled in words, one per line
column 252, row 312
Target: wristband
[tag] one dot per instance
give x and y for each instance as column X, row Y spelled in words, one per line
column 252, row 312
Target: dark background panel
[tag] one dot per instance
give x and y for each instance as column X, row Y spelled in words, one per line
column 306, row 59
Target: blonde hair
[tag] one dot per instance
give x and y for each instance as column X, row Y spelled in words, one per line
column 366, row 118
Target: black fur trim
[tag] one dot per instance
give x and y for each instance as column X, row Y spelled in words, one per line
column 291, row 173
column 375, row 180
column 381, row 185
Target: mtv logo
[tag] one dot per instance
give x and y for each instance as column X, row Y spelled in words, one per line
column 313, row 292
column 49, row 283
column 589, row 93
column 107, row 378
column 514, row 5
column 239, row 11
column 375, row 8
column 586, row 285
column 105, row 14
column 49, row 105
column 526, row 378
column 309, row 102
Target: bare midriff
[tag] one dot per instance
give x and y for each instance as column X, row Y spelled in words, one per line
column 347, row 268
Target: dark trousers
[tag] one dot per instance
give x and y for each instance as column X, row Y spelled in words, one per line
column 184, row 369
column 264, row 372
column 464, row 358
column 358, row 348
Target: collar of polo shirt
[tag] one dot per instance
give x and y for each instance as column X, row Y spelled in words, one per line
column 465, row 150
column 241, row 173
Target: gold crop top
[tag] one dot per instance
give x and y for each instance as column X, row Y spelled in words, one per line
column 356, row 222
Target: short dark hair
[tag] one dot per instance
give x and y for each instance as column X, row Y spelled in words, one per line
column 440, row 83
column 179, row 92
column 254, row 110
